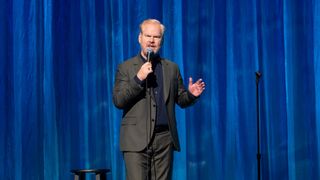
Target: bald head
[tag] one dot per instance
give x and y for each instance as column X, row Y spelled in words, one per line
column 154, row 22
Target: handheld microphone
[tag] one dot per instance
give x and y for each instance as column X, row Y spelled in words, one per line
column 149, row 52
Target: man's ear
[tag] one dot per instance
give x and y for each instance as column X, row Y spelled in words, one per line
column 162, row 40
column 139, row 38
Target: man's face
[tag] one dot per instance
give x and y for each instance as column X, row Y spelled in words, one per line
column 150, row 37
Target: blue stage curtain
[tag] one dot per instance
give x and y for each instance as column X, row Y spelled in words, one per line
column 57, row 65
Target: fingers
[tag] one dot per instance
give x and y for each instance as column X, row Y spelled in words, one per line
column 199, row 84
column 148, row 67
column 145, row 69
column 199, row 81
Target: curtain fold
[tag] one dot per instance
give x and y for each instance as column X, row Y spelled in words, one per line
column 57, row 65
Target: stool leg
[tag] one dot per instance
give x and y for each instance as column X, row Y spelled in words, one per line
column 101, row 176
column 76, row 177
column 80, row 176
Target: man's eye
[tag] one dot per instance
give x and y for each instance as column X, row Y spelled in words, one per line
column 156, row 37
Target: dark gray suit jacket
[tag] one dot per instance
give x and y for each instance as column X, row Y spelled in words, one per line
column 138, row 119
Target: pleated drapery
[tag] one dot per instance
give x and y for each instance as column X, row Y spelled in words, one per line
column 57, row 65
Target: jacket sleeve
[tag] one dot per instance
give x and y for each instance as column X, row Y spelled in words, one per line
column 184, row 98
column 125, row 89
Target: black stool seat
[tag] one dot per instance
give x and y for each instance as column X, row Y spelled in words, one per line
column 80, row 174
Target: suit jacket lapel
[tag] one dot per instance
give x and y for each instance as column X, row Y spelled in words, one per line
column 166, row 81
column 137, row 63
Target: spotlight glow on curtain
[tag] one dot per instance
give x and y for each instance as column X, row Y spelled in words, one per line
column 57, row 65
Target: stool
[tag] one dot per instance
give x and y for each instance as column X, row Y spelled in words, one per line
column 80, row 174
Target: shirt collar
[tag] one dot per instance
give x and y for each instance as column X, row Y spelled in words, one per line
column 155, row 59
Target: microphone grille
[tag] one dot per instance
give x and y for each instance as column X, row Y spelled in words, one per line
column 149, row 50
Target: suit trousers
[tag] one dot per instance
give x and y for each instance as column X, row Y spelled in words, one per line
column 154, row 163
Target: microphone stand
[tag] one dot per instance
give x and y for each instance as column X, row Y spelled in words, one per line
column 149, row 114
column 258, row 75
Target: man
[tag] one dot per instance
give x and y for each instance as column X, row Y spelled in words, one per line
column 146, row 88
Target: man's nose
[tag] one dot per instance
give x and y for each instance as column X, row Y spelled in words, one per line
column 151, row 39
